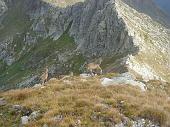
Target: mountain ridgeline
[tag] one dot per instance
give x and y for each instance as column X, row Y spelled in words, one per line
column 64, row 35
column 151, row 8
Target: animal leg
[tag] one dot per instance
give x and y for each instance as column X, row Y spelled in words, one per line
column 45, row 81
column 101, row 71
column 42, row 82
column 91, row 71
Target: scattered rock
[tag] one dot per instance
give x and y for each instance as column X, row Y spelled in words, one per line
column 17, row 107
column 37, row 86
column 143, row 123
column 24, row 120
column 2, row 102
column 106, row 81
column 58, row 118
column 84, row 75
column 30, row 117
column 78, row 123
column 34, row 115
column 137, row 123
column 26, row 111
column 45, row 125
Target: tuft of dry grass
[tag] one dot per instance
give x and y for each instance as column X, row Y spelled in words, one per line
column 154, row 114
column 75, row 99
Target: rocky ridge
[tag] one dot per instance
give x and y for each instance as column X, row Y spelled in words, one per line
column 153, row 40
column 50, row 33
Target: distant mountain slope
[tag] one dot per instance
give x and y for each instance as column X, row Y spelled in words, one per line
column 164, row 5
column 150, row 8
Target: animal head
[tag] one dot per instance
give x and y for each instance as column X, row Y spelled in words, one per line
column 100, row 60
column 46, row 69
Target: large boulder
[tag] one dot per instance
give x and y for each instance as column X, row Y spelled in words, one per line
column 124, row 78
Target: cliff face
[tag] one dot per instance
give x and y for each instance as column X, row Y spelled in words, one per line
column 94, row 25
column 61, row 35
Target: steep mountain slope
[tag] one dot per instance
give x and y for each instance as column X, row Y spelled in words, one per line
column 63, row 35
column 35, row 34
column 153, row 58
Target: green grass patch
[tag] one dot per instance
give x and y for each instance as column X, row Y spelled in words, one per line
column 42, row 53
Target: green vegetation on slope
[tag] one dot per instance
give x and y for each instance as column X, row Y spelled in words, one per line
column 33, row 59
column 44, row 54
column 15, row 21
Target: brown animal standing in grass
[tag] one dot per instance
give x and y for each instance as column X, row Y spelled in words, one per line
column 44, row 76
column 95, row 66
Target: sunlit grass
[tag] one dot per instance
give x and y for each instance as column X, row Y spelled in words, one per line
column 88, row 101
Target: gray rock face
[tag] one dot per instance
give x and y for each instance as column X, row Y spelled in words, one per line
column 6, row 51
column 95, row 26
column 3, row 8
column 98, row 31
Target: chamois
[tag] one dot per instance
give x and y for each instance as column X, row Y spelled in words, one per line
column 44, row 76
column 93, row 66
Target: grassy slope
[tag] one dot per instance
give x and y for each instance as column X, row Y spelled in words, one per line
column 86, row 100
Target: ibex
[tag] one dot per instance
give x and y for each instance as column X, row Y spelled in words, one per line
column 44, row 76
column 95, row 66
